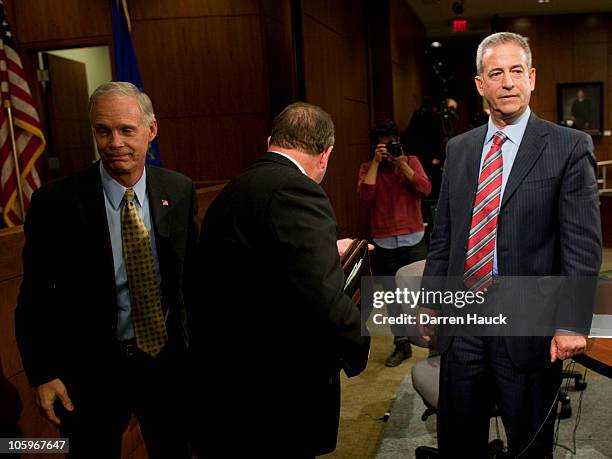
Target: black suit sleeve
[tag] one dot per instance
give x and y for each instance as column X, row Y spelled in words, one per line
column 35, row 314
column 579, row 218
column 436, row 266
column 190, row 280
column 302, row 221
column 580, row 238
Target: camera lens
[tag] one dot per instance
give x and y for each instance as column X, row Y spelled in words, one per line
column 394, row 149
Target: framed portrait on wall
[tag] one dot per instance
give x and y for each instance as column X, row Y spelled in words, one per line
column 580, row 106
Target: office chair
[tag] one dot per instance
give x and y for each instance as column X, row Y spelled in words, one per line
column 564, row 400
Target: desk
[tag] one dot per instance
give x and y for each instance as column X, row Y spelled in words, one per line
column 598, row 356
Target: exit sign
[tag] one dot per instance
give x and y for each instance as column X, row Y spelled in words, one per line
column 459, row 25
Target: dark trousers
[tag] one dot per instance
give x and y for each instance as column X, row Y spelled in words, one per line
column 386, row 262
column 153, row 389
column 476, row 374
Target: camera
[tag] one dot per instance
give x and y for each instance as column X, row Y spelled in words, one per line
column 448, row 112
column 394, row 148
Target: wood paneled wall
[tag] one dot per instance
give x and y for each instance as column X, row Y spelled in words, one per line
column 336, row 71
column 203, row 64
column 567, row 49
column 279, row 34
column 408, row 61
column 45, row 21
column 218, row 71
column 381, row 67
column 397, row 41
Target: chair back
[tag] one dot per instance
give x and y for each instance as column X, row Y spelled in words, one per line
column 409, row 277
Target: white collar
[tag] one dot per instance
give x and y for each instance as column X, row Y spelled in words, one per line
column 299, row 166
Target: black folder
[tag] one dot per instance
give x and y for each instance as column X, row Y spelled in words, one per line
column 355, row 263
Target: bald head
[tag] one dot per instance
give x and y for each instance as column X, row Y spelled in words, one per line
column 304, row 127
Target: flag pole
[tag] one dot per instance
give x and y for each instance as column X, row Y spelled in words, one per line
column 7, row 105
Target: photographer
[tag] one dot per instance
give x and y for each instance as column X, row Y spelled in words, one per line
column 429, row 130
column 394, row 184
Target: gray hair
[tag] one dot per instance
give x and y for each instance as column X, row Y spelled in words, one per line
column 123, row 88
column 303, row 127
column 497, row 39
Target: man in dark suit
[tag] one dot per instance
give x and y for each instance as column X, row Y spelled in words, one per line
column 268, row 252
column 518, row 198
column 108, row 263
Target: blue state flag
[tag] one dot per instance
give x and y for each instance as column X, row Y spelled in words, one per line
column 126, row 64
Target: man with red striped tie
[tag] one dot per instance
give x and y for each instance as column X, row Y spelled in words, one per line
column 518, row 198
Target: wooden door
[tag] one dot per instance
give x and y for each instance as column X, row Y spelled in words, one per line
column 67, row 98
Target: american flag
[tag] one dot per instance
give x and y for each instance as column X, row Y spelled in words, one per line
column 29, row 138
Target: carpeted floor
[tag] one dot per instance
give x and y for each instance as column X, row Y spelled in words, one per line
column 405, row 430
column 365, row 400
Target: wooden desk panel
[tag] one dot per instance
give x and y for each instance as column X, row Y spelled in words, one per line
column 11, row 245
column 598, row 356
column 600, row 350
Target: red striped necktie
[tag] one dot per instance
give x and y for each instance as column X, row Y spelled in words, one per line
column 478, row 269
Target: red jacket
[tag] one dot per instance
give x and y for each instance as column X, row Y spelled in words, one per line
column 396, row 201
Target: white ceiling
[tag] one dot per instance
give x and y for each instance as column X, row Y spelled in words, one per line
column 437, row 15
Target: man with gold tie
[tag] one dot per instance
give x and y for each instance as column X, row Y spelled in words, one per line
column 101, row 317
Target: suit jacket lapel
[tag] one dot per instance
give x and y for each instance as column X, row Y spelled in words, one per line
column 531, row 148
column 160, row 203
column 474, row 153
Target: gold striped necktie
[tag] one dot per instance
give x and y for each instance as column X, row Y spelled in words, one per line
column 145, row 298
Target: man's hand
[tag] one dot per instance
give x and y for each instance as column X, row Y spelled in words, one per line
column 47, row 393
column 344, row 244
column 564, row 346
